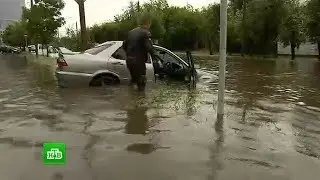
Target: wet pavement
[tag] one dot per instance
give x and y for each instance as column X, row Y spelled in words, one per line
column 271, row 128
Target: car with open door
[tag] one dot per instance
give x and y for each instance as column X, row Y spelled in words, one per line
column 105, row 64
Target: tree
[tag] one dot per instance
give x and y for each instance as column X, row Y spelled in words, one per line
column 212, row 26
column 254, row 26
column 43, row 20
column 14, row 34
column 292, row 30
column 313, row 24
column 242, row 5
column 84, row 36
column 71, row 40
column 156, row 28
column 183, row 28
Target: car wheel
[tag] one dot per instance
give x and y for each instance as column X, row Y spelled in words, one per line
column 104, row 80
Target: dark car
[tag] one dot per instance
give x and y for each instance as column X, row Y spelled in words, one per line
column 4, row 49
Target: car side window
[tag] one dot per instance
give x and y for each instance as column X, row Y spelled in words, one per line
column 121, row 54
column 96, row 50
column 166, row 56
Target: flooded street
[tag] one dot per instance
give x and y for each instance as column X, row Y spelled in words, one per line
column 271, row 128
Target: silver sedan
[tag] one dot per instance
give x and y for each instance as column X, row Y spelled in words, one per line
column 105, row 65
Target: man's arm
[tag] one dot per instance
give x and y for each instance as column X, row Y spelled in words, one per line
column 125, row 45
column 148, row 44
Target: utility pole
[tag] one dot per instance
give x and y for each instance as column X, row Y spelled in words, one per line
column 84, row 37
column 223, row 57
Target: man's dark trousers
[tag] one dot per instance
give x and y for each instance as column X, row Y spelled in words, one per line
column 137, row 71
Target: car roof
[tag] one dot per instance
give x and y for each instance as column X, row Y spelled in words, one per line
column 117, row 44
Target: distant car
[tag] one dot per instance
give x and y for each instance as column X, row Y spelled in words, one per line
column 105, row 64
column 32, row 48
column 4, row 49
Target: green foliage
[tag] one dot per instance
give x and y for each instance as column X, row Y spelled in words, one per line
column 254, row 26
column 211, row 27
column 71, row 40
column 182, row 28
column 104, row 32
column 292, row 31
column 43, row 20
column 14, row 34
column 313, row 23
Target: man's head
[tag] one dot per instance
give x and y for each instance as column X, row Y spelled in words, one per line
column 145, row 20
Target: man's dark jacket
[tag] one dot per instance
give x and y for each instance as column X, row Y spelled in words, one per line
column 137, row 45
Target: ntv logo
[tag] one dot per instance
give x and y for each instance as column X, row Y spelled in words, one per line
column 54, row 153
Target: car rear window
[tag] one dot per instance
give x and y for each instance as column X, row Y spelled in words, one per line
column 96, row 50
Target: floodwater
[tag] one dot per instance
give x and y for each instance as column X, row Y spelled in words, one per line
column 271, row 128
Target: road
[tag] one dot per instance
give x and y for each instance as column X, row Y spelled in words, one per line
column 271, row 128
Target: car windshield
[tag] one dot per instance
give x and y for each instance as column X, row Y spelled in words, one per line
column 96, row 50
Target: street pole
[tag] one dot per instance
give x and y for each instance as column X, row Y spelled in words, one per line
column 223, row 56
column 82, row 24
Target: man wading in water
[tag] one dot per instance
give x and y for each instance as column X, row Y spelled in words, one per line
column 137, row 46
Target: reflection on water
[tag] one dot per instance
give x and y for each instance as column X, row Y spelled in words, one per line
column 271, row 128
column 216, row 149
column 137, row 122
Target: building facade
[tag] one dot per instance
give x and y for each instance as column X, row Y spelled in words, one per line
column 10, row 11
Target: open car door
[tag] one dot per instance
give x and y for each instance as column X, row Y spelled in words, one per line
column 172, row 66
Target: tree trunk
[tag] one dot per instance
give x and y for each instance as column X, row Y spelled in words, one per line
column 42, row 49
column 37, row 49
column 318, row 50
column 276, row 50
column 210, row 46
column 243, row 24
column 83, row 25
column 47, row 51
column 293, row 51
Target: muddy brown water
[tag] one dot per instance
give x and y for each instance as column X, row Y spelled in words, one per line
column 271, row 128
